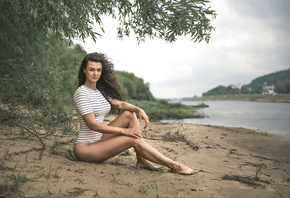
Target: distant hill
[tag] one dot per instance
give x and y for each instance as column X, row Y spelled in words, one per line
column 280, row 79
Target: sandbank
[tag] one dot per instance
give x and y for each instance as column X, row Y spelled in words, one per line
column 233, row 162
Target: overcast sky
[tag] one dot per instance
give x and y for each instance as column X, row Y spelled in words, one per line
column 251, row 40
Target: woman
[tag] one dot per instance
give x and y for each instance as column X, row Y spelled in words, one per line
column 98, row 91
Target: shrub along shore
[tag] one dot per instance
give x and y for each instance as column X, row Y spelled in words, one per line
column 162, row 110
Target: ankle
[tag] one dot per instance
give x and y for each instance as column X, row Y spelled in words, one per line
column 175, row 166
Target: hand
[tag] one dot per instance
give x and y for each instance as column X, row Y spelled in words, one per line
column 142, row 115
column 132, row 132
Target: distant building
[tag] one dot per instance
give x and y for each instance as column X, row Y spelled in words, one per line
column 237, row 86
column 268, row 89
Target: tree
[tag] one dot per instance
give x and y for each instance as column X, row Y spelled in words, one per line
column 24, row 21
column 32, row 32
column 38, row 67
column 134, row 87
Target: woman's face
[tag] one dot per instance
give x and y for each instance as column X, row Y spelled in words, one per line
column 93, row 71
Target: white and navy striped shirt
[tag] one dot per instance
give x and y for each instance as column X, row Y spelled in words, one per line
column 88, row 101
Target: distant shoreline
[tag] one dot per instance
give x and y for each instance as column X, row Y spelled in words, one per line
column 284, row 98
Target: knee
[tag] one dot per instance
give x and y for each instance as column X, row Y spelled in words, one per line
column 129, row 114
column 138, row 142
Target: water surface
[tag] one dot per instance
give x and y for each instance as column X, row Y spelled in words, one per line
column 267, row 117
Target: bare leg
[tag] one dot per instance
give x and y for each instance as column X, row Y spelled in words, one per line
column 129, row 120
column 110, row 146
column 105, row 149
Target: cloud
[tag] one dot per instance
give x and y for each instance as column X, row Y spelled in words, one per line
column 251, row 39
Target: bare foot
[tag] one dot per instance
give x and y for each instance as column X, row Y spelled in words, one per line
column 184, row 170
column 147, row 165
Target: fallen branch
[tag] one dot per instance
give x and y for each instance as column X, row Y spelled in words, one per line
column 30, row 132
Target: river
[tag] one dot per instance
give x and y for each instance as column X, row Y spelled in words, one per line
column 269, row 117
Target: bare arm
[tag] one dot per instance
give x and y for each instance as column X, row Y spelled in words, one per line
column 102, row 128
column 129, row 107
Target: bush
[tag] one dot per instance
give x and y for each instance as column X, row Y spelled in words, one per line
column 161, row 110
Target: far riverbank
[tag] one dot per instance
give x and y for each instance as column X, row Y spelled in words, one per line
column 244, row 97
column 270, row 117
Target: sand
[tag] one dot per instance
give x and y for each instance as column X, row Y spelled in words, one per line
column 257, row 162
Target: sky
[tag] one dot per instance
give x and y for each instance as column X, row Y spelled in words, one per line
column 251, row 40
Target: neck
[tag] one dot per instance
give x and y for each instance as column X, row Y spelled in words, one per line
column 92, row 86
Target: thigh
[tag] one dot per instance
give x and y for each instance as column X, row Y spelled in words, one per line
column 124, row 120
column 104, row 149
column 121, row 120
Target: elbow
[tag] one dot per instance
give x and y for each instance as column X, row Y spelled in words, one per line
column 92, row 125
column 119, row 105
column 91, row 122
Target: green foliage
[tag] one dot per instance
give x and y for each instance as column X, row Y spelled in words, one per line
column 20, row 178
column 158, row 110
column 222, row 90
column 38, row 67
column 48, row 76
column 39, row 124
column 254, row 181
column 165, row 19
column 280, row 79
column 134, row 87
column 23, row 22
column 137, row 93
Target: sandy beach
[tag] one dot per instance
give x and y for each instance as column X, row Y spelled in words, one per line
column 232, row 162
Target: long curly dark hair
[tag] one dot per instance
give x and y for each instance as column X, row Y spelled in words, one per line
column 107, row 84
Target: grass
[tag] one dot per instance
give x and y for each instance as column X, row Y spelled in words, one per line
column 26, row 157
column 254, row 181
column 96, row 193
column 144, row 188
column 21, row 178
column 48, row 190
column 251, row 181
column 114, row 181
column 79, row 180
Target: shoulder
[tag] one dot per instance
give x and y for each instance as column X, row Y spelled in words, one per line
column 81, row 91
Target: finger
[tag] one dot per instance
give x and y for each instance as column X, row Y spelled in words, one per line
column 134, row 135
column 140, row 118
column 138, row 134
column 147, row 124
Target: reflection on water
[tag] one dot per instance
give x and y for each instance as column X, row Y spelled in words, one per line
column 262, row 116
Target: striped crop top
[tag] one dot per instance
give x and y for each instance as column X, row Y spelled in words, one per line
column 88, row 101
